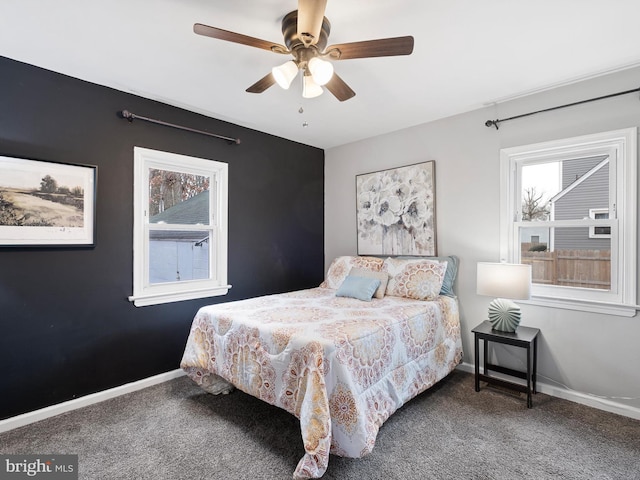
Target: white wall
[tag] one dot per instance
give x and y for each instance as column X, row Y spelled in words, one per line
column 586, row 357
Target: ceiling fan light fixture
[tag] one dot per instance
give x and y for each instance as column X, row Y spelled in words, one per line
column 310, row 89
column 285, row 73
column 321, row 70
column 306, row 32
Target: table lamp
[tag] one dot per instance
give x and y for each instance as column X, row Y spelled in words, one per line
column 507, row 282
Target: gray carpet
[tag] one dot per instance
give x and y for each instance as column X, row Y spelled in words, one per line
column 176, row 431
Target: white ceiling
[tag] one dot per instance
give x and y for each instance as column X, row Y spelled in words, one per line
column 468, row 53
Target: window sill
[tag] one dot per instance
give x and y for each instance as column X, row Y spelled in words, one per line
column 159, row 298
column 617, row 309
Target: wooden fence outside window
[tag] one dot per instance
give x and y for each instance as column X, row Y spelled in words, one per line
column 570, row 268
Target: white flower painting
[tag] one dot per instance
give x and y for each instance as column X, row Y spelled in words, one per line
column 396, row 211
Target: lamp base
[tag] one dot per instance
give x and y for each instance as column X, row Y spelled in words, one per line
column 504, row 315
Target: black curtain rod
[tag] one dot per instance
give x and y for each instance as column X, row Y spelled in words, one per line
column 496, row 123
column 126, row 114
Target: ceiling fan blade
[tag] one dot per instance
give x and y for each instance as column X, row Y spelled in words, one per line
column 339, row 88
column 262, row 84
column 383, row 47
column 221, row 34
column 310, row 17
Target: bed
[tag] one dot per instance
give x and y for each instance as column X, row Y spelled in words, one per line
column 340, row 357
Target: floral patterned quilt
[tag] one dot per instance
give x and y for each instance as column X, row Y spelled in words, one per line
column 340, row 365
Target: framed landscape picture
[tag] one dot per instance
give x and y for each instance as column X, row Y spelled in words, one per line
column 396, row 211
column 46, row 203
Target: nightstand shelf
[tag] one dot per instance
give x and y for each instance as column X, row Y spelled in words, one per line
column 524, row 337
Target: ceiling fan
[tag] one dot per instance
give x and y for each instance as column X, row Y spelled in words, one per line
column 306, row 31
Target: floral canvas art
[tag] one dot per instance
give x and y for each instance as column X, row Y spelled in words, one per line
column 396, row 211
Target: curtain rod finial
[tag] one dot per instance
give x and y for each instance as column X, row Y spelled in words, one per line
column 492, row 123
column 127, row 114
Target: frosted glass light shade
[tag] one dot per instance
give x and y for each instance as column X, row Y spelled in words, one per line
column 310, row 89
column 285, row 73
column 321, row 70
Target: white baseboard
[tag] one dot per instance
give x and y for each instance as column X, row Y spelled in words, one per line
column 37, row 415
column 573, row 396
column 53, row 410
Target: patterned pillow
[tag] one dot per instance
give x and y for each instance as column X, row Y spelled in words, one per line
column 418, row 279
column 341, row 267
column 382, row 276
column 450, row 274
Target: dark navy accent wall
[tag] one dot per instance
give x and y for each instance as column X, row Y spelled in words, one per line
column 66, row 326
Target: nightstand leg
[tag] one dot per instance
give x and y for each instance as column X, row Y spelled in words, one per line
column 477, row 361
column 529, row 400
column 535, row 363
column 486, row 355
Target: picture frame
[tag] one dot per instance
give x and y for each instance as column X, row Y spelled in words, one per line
column 45, row 203
column 396, row 211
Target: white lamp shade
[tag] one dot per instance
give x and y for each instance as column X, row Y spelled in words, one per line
column 310, row 89
column 285, row 73
column 321, row 70
column 504, row 280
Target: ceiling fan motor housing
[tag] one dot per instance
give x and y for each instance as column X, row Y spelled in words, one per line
column 295, row 41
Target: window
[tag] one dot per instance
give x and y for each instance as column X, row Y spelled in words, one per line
column 180, row 228
column 577, row 199
column 595, row 231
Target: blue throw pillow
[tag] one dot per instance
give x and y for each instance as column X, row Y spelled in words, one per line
column 358, row 287
column 450, row 275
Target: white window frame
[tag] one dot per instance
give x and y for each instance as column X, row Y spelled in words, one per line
column 621, row 146
column 592, row 229
column 145, row 293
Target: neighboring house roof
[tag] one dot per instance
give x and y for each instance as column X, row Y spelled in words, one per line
column 580, row 180
column 192, row 211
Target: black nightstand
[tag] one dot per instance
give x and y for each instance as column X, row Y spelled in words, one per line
column 524, row 337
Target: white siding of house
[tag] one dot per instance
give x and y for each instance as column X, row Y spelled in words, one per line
column 175, row 260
